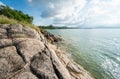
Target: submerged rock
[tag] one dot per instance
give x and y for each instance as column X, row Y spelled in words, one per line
column 26, row 54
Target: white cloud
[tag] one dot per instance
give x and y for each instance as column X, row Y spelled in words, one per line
column 80, row 12
column 29, row 0
column 102, row 12
column 5, row 5
column 2, row 3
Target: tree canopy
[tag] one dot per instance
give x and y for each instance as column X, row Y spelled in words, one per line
column 15, row 14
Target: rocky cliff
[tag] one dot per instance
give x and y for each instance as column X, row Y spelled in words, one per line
column 26, row 54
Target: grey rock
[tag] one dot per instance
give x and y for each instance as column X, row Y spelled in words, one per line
column 24, row 75
column 60, row 69
column 3, row 30
column 29, row 48
column 9, row 59
column 4, row 26
column 50, row 37
column 5, row 42
column 41, row 66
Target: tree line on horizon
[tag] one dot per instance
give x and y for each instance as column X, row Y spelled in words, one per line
column 56, row 27
column 15, row 14
column 52, row 27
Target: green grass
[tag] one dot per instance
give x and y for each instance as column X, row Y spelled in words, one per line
column 5, row 20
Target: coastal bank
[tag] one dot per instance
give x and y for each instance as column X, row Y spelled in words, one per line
column 28, row 54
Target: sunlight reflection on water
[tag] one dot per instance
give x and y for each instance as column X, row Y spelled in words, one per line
column 97, row 50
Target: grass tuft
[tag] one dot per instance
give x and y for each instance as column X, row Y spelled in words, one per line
column 5, row 20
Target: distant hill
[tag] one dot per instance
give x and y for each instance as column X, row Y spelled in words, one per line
column 56, row 27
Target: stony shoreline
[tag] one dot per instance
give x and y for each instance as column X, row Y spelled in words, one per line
column 27, row 54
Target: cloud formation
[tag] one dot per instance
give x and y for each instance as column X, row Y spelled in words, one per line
column 29, row 0
column 79, row 12
column 2, row 3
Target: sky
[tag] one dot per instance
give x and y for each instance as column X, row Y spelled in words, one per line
column 72, row 13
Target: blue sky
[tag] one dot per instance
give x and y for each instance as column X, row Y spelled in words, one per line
column 83, row 13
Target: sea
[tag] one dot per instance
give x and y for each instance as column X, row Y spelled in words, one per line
column 97, row 50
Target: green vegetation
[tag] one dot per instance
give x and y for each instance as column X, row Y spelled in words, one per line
column 15, row 14
column 56, row 27
column 11, row 16
column 52, row 27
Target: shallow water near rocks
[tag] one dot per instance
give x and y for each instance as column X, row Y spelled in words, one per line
column 97, row 50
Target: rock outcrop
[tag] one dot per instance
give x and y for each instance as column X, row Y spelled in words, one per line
column 26, row 54
column 51, row 37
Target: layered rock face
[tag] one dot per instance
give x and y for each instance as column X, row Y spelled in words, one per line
column 26, row 54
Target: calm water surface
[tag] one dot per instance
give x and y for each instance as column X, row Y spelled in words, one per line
column 97, row 50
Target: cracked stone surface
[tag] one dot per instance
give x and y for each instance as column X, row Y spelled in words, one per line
column 26, row 54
